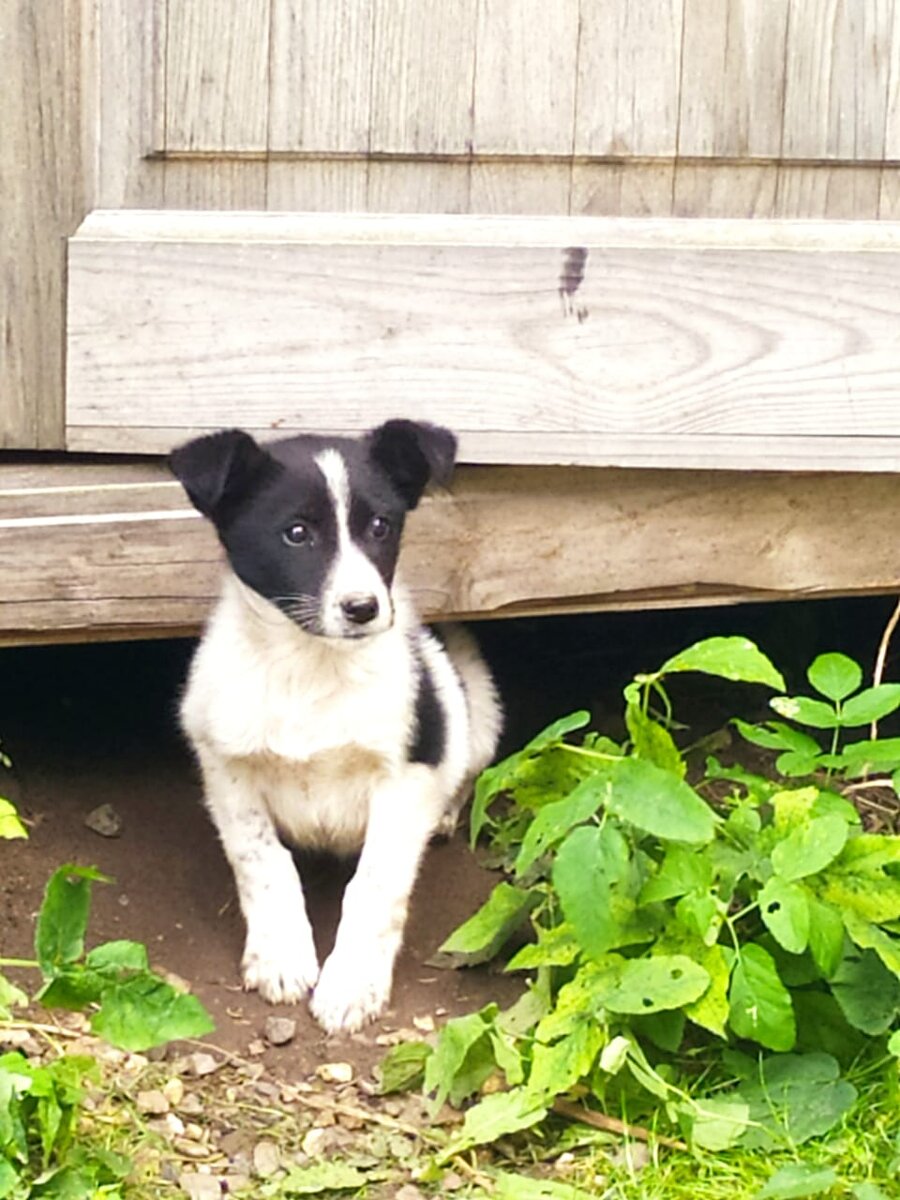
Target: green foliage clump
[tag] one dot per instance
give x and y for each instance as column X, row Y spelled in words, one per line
column 709, row 947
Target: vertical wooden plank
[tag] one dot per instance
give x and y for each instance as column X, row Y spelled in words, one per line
column 130, row 104
column 217, row 74
column 419, row 186
column 521, row 188
column 317, row 185
column 46, row 188
column 622, row 189
column 422, row 77
column 525, row 72
column 892, row 123
column 889, row 194
column 219, row 182
column 836, row 86
column 842, row 192
column 724, row 190
column 732, row 78
column 629, row 63
column 321, row 72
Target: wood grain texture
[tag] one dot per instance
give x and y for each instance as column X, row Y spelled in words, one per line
column 517, row 189
column 839, row 61
column 423, row 76
column 317, row 185
column 419, row 185
column 628, row 77
column 216, row 90
column 725, row 190
column 524, row 96
column 321, row 75
column 45, row 189
column 732, row 78
column 124, row 556
column 665, row 330
column 844, row 192
column 622, row 189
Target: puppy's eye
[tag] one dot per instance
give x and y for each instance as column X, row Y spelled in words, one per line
column 379, row 528
column 297, row 535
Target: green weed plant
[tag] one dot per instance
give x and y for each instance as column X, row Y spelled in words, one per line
column 709, row 950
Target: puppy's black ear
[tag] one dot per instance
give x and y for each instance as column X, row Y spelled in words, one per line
column 216, row 470
column 413, row 454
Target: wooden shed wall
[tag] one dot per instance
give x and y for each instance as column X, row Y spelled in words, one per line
column 737, row 108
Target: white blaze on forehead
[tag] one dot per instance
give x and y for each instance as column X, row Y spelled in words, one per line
column 352, row 573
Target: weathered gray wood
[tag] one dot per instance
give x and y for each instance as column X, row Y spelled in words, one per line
column 539, row 341
column 89, row 552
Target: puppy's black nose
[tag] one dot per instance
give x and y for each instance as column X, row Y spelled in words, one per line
column 359, row 608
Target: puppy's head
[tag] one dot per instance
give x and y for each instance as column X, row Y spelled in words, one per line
column 313, row 524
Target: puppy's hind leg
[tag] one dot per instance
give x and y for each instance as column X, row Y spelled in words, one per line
column 279, row 955
column 355, row 983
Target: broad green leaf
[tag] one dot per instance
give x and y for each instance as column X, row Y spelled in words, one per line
column 784, row 909
column 894, row 1043
column 795, row 1180
column 835, row 676
column 145, row 1011
column 403, row 1067
column 793, row 1098
column 865, row 878
column 714, row 1124
column 822, row 1027
column 10, row 997
column 805, row 711
column 557, row 947
column 522, row 1187
column 867, row 992
column 10, row 824
column 118, row 956
column 796, row 764
column 501, row 777
column 682, row 870
column 493, row 1117
column 868, row 1191
column 883, row 754
column 553, row 821
column 558, row 1067
column 581, row 999
column 59, row 937
column 322, row 1177
column 734, row 658
column 760, row 1003
column 658, row 803
column 775, row 735
column 591, row 875
column 826, row 935
column 870, row 937
column 793, row 805
column 478, row 939
column 711, row 1010
column 664, row 1029
column 649, row 739
column 9, row 1179
column 73, row 988
column 649, row 985
column 809, row 847
column 506, row 1054
column 455, row 1045
column 871, row 705
column 703, row 913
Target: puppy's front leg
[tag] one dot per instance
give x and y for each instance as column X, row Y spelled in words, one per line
column 355, row 983
column 279, row 954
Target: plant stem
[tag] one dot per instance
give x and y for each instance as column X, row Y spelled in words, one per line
column 583, row 750
column 19, row 962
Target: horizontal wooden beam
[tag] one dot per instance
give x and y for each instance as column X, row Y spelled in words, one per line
column 100, row 551
column 752, row 345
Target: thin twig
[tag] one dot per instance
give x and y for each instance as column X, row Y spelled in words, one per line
column 573, row 1112
column 881, row 658
column 323, row 1104
column 867, row 783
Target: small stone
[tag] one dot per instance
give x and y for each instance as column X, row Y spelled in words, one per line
column 190, row 1149
column 236, row 1183
column 135, row 1063
column 194, row 1131
column 313, row 1143
column 452, row 1182
column 266, row 1159
column 256, row 1047
column 336, row 1072
column 191, row 1105
column 632, row 1156
column 173, row 1125
column 104, row 820
column 202, row 1064
column 424, row 1024
column 200, row 1187
column 173, row 1091
column 280, row 1030
column 409, row 1191
column 154, row 1103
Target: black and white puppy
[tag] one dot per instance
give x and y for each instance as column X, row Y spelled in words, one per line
column 323, row 714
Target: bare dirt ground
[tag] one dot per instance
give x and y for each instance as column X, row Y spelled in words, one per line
column 90, row 725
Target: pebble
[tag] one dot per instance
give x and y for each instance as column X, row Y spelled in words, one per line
column 336, row 1072
column 173, row 1091
column 190, row 1149
column 200, row 1187
column 191, row 1105
column 202, row 1064
column 266, row 1159
column 409, row 1191
column 280, row 1030
column 256, row 1047
column 424, row 1024
column 153, row 1103
column 105, row 820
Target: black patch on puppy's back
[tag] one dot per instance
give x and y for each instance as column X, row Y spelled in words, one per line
column 429, row 737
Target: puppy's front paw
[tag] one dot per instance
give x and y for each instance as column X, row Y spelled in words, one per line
column 282, row 972
column 352, row 990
